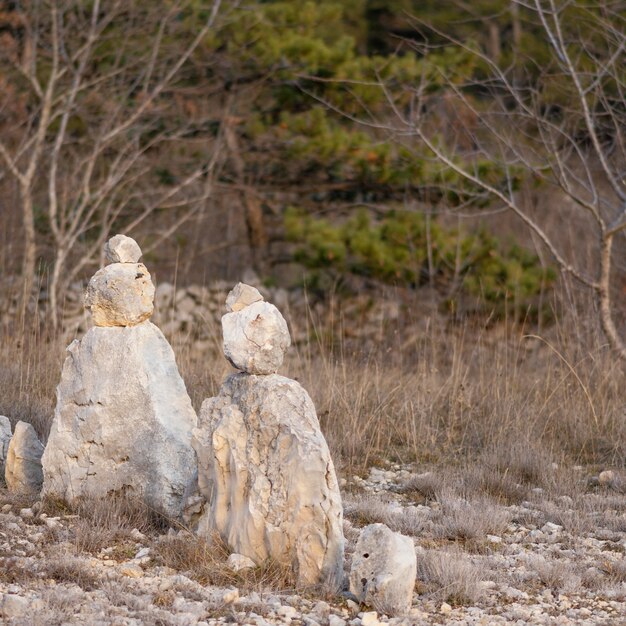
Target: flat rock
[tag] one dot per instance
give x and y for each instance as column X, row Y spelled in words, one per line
column 122, row 249
column 238, row 562
column 384, row 568
column 123, row 420
column 23, row 462
column 241, row 296
column 265, row 471
column 120, row 294
column 256, row 338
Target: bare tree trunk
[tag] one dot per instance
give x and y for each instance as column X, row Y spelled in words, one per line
column 257, row 234
column 29, row 260
column 495, row 47
column 604, row 298
column 517, row 26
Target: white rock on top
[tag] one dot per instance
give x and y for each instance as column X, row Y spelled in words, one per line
column 23, row 463
column 265, row 471
column 5, row 439
column 256, row 338
column 384, row 568
column 122, row 249
column 123, row 420
column 241, row 296
column 121, row 294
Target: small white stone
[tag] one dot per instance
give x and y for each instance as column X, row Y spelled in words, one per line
column 369, row 618
column 335, row 620
column 287, row 612
column 607, row 477
column 131, row 570
column 241, row 296
column 5, row 439
column 122, row 249
column 27, row 514
column 23, row 471
column 230, row 596
column 238, row 562
column 12, row 606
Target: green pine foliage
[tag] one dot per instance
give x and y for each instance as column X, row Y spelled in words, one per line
column 394, row 250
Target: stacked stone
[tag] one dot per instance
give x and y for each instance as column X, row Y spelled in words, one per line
column 123, row 418
column 264, row 467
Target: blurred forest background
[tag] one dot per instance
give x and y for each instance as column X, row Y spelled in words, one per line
column 461, row 162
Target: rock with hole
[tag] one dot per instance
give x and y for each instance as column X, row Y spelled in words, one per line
column 384, row 568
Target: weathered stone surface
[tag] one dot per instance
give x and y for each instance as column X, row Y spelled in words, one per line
column 256, row 338
column 123, row 420
column 121, row 294
column 238, row 562
column 265, row 471
column 5, row 438
column 23, row 462
column 122, row 249
column 241, row 296
column 384, row 567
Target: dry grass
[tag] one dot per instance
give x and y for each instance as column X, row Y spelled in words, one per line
column 206, row 563
column 450, row 577
column 369, row 509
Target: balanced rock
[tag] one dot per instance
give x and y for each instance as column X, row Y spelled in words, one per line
column 23, row 463
column 122, row 249
column 120, row 294
column 123, row 420
column 5, row 439
column 255, row 338
column 241, row 296
column 384, row 567
column 265, row 471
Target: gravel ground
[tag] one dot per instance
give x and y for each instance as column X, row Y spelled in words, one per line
column 547, row 559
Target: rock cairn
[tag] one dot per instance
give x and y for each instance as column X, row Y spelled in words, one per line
column 22, row 470
column 384, row 568
column 264, row 468
column 123, row 418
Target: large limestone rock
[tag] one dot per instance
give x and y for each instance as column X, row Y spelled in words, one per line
column 122, row 249
column 255, row 338
column 265, row 471
column 384, row 567
column 23, row 462
column 5, row 439
column 123, row 420
column 120, row 294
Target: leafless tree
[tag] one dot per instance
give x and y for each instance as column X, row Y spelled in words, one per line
column 562, row 125
column 98, row 81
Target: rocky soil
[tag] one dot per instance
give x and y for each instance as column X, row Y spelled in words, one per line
column 538, row 557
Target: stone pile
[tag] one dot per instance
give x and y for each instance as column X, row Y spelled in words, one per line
column 22, row 470
column 264, row 468
column 123, row 418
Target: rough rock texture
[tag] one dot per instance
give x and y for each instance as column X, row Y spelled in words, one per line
column 23, row 462
column 123, row 420
column 5, row 438
column 241, row 296
column 384, row 567
column 266, row 473
column 121, row 294
column 255, row 338
column 122, row 249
